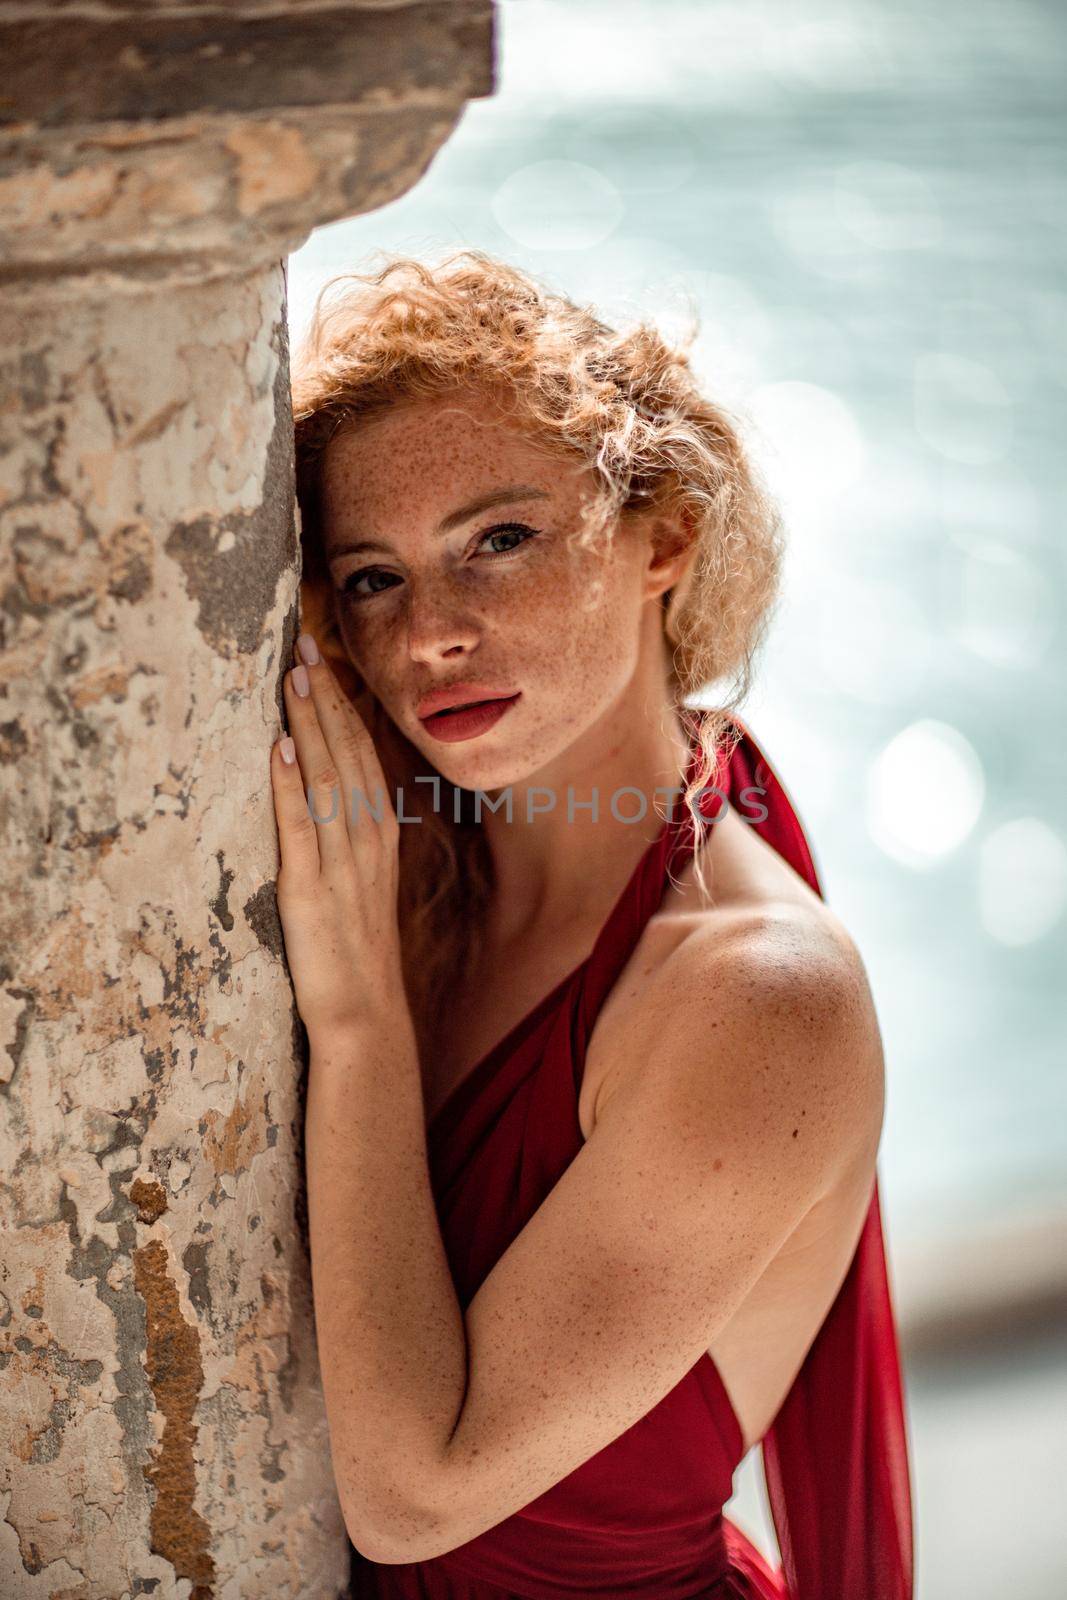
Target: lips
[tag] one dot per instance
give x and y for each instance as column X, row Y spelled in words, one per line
column 467, row 705
column 454, row 696
column 453, row 725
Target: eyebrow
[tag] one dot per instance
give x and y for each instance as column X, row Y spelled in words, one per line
column 483, row 502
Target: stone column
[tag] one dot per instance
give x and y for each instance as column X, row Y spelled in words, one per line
column 161, row 1412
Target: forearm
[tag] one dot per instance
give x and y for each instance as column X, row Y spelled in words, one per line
column 391, row 1335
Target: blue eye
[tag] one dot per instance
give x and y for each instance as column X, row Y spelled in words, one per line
column 348, row 587
column 509, row 527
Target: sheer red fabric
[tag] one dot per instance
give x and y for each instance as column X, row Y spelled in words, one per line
column 643, row 1517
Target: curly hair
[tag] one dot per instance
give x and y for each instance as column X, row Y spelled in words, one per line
column 623, row 403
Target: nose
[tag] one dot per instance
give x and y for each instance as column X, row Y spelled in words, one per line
column 439, row 625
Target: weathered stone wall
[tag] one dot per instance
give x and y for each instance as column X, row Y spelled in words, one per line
column 160, row 1400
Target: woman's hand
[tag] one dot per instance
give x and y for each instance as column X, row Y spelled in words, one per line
column 337, row 884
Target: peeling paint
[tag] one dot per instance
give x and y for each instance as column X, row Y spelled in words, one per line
column 175, row 1374
column 261, row 914
column 149, row 1197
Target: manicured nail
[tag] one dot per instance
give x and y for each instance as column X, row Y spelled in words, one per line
column 287, row 746
column 309, row 650
column 301, row 682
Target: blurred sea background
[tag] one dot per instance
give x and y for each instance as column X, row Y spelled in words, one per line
column 865, row 207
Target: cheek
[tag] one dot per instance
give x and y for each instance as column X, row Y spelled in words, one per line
column 585, row 626
column 367, row 647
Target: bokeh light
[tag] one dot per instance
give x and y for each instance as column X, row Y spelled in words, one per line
column 1022, row 881
column 1007, row 606
column 814, row 449
column 925, row 793
column 962, row 409
column 557, row 205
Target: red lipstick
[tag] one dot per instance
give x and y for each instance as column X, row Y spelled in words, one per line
column 468, row 720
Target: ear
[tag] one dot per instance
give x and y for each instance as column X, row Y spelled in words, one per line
column 671, row 549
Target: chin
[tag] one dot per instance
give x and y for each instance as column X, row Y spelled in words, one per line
column 475, row 769
column 497, row 762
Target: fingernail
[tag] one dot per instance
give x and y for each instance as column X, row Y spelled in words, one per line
column 287, row 746
column 301, row 682
column 309, row 650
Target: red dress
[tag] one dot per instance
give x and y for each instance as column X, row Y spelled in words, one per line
column 643, row 1516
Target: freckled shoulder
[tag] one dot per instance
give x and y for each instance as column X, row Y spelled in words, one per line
column 755, row 903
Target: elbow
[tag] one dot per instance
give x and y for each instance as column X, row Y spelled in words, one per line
column 382, row 1541
column 395, row 1529
column 372, row 1549
column 387, row 1548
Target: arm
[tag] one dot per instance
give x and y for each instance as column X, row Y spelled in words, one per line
column 763, row 1085
column 391, row 1342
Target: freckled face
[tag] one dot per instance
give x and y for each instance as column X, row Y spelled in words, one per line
column 501, row 597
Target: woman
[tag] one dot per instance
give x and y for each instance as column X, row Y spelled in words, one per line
column 596, row 1085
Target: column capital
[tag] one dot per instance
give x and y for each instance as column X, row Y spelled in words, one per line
column 145, row 141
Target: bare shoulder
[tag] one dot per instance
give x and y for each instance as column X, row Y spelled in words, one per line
column 770, row 1006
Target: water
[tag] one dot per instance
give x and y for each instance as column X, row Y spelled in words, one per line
column 866, row 204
